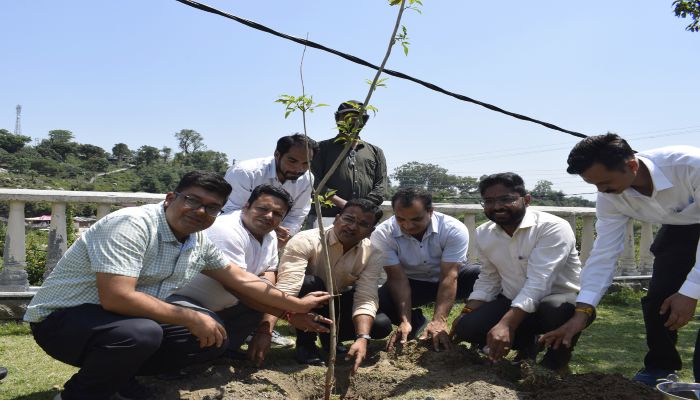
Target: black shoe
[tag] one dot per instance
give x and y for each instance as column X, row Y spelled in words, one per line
column 134, row 391
column 3, row 372
column 309, row 355
column 235, row 355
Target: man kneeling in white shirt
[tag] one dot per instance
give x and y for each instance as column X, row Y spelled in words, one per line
column 529, row 276
column 247, row 237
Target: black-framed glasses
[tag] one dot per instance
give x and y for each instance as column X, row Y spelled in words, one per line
column 195, row 204
column 348, row 219
column 502, row 200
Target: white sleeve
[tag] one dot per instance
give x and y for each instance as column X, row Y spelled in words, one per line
column 300, row 209
column 599, row 270
column 242, row 183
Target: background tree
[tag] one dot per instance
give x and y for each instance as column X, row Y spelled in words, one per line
column 11, row 142
column 190, row 141
column 147, row 155
column 688, row 8
column 121, row 152
column 88, row 151
column 166, row 152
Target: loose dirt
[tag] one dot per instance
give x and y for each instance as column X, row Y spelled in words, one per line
column 414, row 372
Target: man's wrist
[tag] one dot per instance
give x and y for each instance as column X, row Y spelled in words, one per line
column 363, row 336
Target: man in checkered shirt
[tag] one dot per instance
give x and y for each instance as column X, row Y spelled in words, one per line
column 103, row 307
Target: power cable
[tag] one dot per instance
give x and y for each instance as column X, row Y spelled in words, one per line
column 360, row 61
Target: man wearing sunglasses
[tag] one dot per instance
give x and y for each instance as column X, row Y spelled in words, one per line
column 103, row 308
column 361, row 174
column 529, row 276
column 355, row 266
column 425, row 259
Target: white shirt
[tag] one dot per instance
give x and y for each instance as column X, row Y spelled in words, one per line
column 247, row 175
column 446, row 240
column 241, row 248
column 538, row 260
column 675, row 173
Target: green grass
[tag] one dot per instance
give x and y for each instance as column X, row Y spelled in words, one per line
column 613, row 344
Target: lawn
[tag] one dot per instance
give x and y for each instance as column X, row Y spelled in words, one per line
column 613, row 344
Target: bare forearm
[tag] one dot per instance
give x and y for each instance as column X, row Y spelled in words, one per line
column 138, row 304
column 447, row 290
column 363, row 324
column 401, row 294
column 514, row 317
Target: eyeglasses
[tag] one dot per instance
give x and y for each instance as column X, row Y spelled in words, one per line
column 347, row 219
column 503, row 201
column 194, row 203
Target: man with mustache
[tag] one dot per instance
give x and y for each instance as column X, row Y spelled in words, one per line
column 288, row 168
column 425, row 259
column 247, row 238
column 529, row 276
column 661, row 186
column 355, row 267
column 103, row 308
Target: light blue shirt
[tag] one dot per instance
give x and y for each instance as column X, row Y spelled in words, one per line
column 445, row 241
column 135, row 242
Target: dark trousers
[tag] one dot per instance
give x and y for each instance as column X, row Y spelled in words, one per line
column 552, row 312
column 381, row 327
column 239, row 320
column 423, row 293
column 674, row 250
column 110, row 349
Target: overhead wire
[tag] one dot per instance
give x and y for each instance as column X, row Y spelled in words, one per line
column 360, row 61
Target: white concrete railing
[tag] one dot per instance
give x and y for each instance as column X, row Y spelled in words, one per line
column 14, row 278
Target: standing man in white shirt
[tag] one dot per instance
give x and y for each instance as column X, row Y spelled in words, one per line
column 529, row 276
column 247, row 238
column 660, row 186
column 288, row 168
column 425, row 259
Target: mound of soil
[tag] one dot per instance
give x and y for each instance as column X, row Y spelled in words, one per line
column 413, row 372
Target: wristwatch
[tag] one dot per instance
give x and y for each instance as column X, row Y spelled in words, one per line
column 363, row 336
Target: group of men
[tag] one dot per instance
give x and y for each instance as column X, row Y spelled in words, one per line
column 153, row 289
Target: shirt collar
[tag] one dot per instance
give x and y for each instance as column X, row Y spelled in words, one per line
column 433, row 227
column 658, row 178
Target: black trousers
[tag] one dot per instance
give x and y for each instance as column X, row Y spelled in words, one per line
column 674, row 250
column 239, row 320
column 381, row 327
column 110, row 349
column 552, row 312
column 423, row 292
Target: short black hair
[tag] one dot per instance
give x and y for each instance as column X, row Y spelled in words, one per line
column 271, row 190
column 610, row 150
column 406, row 196
column 207, row 180
column 366, row 206
column 286, row 142
column 510, row 180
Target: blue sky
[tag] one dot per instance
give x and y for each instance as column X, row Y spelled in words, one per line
column 139, row 71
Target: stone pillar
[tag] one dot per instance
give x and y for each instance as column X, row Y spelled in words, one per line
column 58, row 237
column 646, row 259
column 103, row 209
column 470, row 222
column 626, row 265
column 587, row 237
column 13, row 277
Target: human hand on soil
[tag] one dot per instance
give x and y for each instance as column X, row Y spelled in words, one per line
column 258, row 347
column 401, row 333
column 437, row 330
column 682, row 310
column 565, row 333
column 312, row 300
column 359, row 351
column 206, row 329
column 310, row 322
column 499, row 341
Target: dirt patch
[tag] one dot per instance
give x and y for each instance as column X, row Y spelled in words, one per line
column 414, row 372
